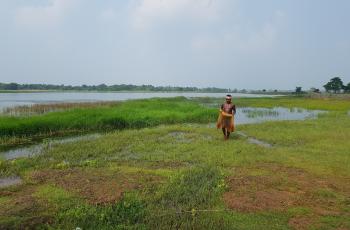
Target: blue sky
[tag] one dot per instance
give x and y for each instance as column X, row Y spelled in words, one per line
column 251, row 44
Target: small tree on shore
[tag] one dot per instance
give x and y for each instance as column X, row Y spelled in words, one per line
column 298, row 90
column 315, row 90
column 335, row 85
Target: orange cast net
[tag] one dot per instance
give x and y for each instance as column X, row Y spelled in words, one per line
column 225, row 120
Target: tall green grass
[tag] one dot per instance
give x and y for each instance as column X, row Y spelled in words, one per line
column 330, row 104
column 131, row 114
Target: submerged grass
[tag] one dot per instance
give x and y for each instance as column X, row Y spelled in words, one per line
column 189, row 178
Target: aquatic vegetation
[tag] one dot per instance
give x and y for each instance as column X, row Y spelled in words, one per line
column 132, row 114
column 184, row 176
column 252, row 113
column 323, row 103
column 35, row 109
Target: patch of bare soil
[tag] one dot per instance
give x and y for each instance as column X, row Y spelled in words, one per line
column 95, row 185
column 279, row 188
column 24, row 206
column 301, row 222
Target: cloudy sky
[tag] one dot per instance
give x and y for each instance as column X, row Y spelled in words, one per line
column 252, row 44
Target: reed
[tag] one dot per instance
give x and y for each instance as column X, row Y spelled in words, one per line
column 105, row 116
column 38, row 109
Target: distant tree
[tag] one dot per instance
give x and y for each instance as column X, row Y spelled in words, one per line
column 104, row 87
column 264, row 90
column 328, row 87
column 335, row 85
column 298, row 89
column 11, row 86
column 315, row 90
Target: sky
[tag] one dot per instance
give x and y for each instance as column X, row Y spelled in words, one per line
column 243, row 44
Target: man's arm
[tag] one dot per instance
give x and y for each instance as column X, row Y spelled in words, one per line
column 234, row 109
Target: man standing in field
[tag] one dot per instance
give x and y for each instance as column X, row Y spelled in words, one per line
column 226, row 117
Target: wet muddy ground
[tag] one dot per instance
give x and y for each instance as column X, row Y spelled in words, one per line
column 10, row 181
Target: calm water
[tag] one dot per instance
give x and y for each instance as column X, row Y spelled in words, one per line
column 9, row 181
column 16, row 99
column 37, row 148
column 257, row 115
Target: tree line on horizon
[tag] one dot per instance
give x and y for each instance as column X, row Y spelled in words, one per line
column 336, row 85
column 104, row 87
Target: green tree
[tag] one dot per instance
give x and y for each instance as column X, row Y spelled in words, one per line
column 298, row 89
column 12, row 86
column 335, row 84
column 314, row 90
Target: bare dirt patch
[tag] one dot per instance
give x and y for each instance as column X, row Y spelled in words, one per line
column 97, row 186
column 301, row 222
column 23, row 207
column 279, row 188
column 20, row 201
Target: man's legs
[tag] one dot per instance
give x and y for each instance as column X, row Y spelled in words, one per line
column 228, row 134
column 225, row 132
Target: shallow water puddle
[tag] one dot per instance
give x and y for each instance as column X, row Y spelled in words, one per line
column 9, row 181
column 36, row 149
column 254, row 141
column 249, row 115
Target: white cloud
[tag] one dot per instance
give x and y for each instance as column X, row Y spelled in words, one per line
column 148, row 12
column 242, row 39
column 235, row 40
column 108, row 15
column 44, row 15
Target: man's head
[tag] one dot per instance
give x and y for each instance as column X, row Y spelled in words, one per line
column 228, row 98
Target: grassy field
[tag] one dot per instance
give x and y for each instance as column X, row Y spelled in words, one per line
column 181, row 174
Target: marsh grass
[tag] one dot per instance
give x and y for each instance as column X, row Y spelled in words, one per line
column 39, row 109
column 130, row 212
column 196, row 168
column 132, row 114
column 323, row 103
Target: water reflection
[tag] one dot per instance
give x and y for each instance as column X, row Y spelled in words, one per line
column 254, row 140
column 248, row 115
column 9, row 181
column 18, row 99
column 36, row 149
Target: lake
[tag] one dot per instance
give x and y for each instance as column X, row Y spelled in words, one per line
column 17, row 99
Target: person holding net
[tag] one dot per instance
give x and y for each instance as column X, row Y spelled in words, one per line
column 226, row 117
